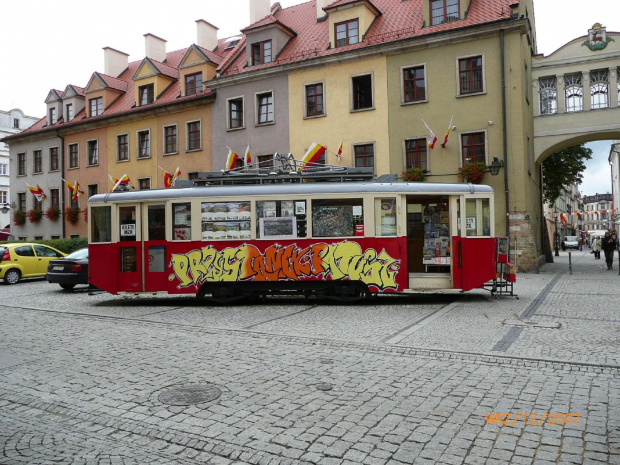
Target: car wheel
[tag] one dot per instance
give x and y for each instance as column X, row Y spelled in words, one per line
column 12, row 276
column 67, row 287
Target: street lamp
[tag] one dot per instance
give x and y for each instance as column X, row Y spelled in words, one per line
column 495, row 166
column 5, row 208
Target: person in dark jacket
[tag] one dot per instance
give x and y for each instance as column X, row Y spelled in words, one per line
column 609, row 244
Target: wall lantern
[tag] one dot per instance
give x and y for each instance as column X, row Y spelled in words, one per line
column 495, row 166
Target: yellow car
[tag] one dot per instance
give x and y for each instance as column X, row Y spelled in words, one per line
column 25, row 260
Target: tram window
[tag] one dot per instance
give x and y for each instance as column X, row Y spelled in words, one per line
column 385, row 217
column 181, row 221
column 337, row 218
column 477, row 217
column 157, row 222
column 127, row 223
column 100, row 224
column 225, row 220
column 280, row 219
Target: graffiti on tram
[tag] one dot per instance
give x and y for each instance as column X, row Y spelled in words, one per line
column 342, row 260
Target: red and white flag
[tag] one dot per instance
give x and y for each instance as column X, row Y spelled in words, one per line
column 170, row 179
column 123, row 181
column 312, row 156
column 231, row 160
column 445, row 139
column 37, row 192
column 339, row 154
column 248, row 157
column 432, row 139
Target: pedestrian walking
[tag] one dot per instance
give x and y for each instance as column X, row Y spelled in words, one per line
column 608, row 244
column 596, row 247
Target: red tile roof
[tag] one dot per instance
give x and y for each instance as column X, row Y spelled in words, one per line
column 112, row 82
column 399, row 20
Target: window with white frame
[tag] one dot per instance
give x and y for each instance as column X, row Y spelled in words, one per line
column 473, row 147
column 170, row 139
column 235, row 113
column 573, row 92
column 54, row 158
column 122, row 147
column 548, row 92
column 599, row 89
column 361, row 92
column 444, row 11
column 414, row 84
column 93, row 152
column 364, row 155
column 3, row 168
column 264, row 108
column 37, row 156
column 193, row 135
column 4, row 195
column 314, row 99
column 471, row 75
column 144, row 144
column 416, row 154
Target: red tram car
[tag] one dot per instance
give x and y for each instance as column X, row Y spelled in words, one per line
column 343, row 240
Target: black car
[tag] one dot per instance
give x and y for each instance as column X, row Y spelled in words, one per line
column 70, row 270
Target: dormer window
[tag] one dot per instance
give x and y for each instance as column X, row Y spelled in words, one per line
column 231, row 44
column 69, row 111
column 146, row 94
column 52, row 115
column 261, row 53
column 347, row 32
column 16, row 123
column 96, row 106
column 444, row 11
column 193, row 83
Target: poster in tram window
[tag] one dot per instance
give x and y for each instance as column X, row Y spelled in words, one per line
column 182, row 234
column 336, row 221
column 278, row 228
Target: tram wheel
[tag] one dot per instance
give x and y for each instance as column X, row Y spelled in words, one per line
column 350, row 291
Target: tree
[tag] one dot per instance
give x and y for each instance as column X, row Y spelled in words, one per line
column 562, row 169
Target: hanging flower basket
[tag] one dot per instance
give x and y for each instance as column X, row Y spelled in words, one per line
column 414, row 175
column 19, row 218
column 34, row 215
column 472, row 172
column 52, row 213
column 72, row 214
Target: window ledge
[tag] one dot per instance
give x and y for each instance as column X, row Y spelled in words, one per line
column 170, row 153
column 193, row 150
column 414, row 102
column 144, row 158
column 122, row 161
column 73, row 168
column 54, row 171
column 484, row 92
column 269, row 123
column 235, row 129
column 362, row 109
column 90, row 166
column 323, row 115
column 37, row 172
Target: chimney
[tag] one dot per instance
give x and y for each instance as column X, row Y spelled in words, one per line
column 155, row 47
column 259, row 9
column 207, row 35
column 114, row 61
column 319, row 8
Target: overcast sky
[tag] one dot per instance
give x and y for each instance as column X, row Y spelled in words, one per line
column 49, row 44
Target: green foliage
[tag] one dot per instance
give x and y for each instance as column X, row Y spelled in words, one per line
column 562, row 169
column 414, row 174
column 66, row 245
column 472, row 172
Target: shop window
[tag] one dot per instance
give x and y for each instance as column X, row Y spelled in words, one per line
column 281, row 219
column 181, row 221
column 385, row 217
column 337, row 218
column 225, row 220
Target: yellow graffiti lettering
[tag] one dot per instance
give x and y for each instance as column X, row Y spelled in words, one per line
column 180, row 266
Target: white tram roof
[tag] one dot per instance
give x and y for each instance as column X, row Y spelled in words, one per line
column 304, row 189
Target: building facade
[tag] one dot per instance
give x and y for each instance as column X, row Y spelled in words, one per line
column 11, row 122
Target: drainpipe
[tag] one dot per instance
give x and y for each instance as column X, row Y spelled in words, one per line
column 62, row 170
column 504, row 124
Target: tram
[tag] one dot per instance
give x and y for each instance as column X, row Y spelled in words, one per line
column 344, row 239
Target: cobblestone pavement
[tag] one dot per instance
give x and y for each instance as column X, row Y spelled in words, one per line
column 89, row 379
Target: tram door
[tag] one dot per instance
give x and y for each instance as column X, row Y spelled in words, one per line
column 129, row 249
column 154, row 246
column 428, row 234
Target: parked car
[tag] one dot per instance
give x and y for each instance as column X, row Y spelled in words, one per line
column 571, row 242
column 69, row 271
column 5, row 233
column 24, row 260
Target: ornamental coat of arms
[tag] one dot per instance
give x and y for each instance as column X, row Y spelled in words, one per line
column 597, row 38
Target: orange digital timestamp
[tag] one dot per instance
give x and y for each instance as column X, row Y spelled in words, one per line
column 509, row 419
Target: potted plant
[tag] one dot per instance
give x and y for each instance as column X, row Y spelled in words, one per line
column 414, row 174
column 34, row 215
column 472, row 172
column 52, row 213
column 72, row 214
column 19, row 217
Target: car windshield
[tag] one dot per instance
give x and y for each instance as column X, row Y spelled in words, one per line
column 78, row 254
column 571, row 238
column 2, row 249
